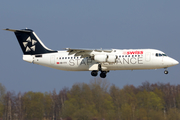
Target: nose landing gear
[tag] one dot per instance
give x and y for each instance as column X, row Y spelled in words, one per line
column 165, row 72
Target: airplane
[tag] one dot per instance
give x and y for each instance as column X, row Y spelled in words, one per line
column 94, row 60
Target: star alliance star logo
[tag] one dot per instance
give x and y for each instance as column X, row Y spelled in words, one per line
column 30, row 44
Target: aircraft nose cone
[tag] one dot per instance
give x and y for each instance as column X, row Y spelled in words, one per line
column 175, row 62
column 170, row 62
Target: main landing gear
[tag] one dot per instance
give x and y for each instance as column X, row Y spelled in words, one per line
column 94, row 73
column 102, row 74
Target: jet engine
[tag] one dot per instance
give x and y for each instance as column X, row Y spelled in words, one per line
column 105, row 58
column 100, row 58
column 111, row 58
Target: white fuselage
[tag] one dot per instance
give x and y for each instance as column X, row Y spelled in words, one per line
column 93, row 60
column 130, row 59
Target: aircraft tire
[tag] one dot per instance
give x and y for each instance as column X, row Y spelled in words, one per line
column 94, row 73
column 165, row 72
column 103, row 74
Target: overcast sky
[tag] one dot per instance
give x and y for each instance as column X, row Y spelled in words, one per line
column 87, row 24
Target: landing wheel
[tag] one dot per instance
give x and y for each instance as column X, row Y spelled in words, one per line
column 103, row 74
column 94, row 73
column 165, row 72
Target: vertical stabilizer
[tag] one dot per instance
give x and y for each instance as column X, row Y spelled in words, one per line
column 30, row 43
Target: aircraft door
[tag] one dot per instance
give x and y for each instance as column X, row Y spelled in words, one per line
column 148, row 57
column 52, row 60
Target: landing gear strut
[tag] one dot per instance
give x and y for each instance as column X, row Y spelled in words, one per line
column 165, row 72
column 103, row 73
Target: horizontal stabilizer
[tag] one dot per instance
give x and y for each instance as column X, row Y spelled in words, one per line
column 13, row 30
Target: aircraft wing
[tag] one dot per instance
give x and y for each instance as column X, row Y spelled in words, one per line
column 85, row 52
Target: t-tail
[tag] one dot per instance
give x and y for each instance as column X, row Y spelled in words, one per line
column 30, row 43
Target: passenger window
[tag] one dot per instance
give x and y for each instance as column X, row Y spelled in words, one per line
column 68, row 57
column 128, row 55
column 62, row 57
column 122, row 55
column 132, row 55
column 138, row 55
column 59, row 57
column 119, row 56
column 135, row 55
column 125, row 55
column 65, row 57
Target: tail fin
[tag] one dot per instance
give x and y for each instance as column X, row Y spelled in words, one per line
column 30, row 43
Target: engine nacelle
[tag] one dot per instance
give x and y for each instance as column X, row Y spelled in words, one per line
column 100, row 58
column 105, row 58
column 111, row 58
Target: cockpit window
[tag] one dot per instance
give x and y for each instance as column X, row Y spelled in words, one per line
column 160, row 54
column 164, row 54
